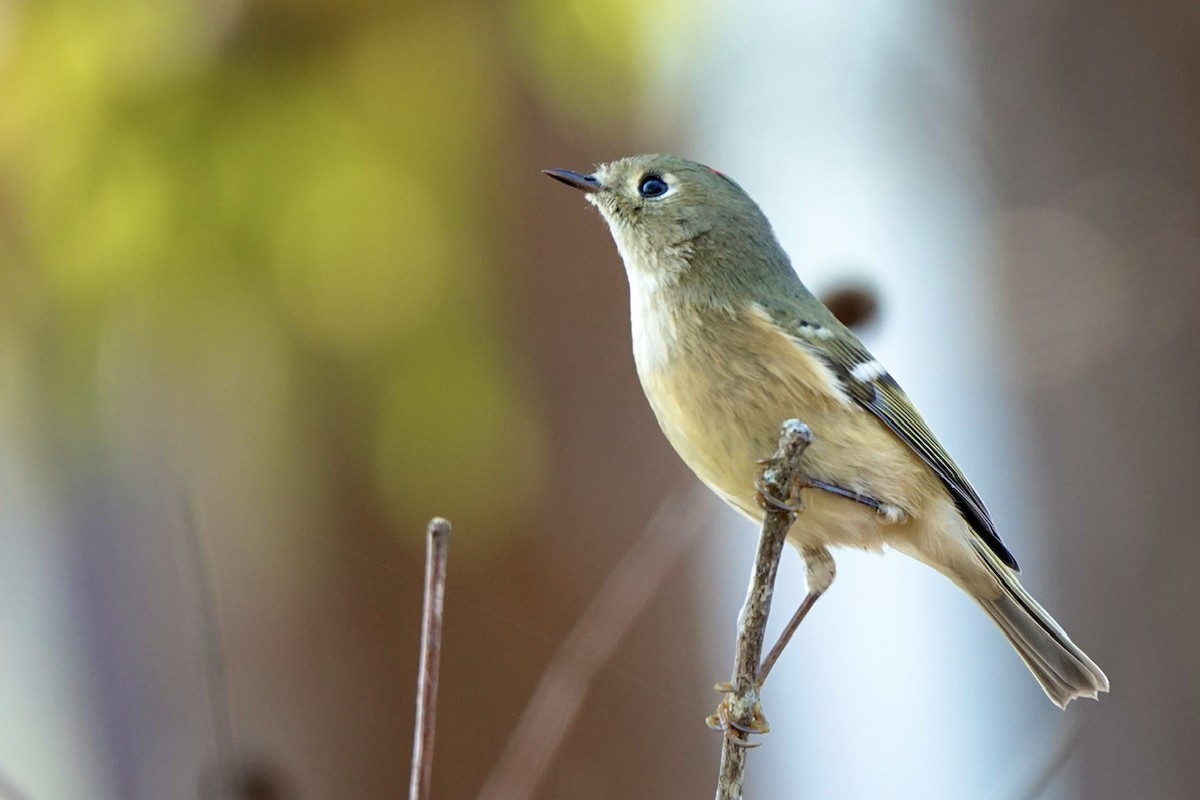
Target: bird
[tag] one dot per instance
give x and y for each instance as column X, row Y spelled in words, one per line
column 728, row 343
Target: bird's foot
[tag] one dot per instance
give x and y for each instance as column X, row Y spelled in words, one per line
column 738, row 716
column 768, row 501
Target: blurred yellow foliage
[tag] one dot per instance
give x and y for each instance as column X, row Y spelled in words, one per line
column 593, row 60
column 224, row 224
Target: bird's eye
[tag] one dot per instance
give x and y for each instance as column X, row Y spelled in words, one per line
column 652, row 186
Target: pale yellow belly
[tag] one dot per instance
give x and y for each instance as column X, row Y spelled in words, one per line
column 723, row 413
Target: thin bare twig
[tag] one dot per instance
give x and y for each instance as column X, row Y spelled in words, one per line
column 1064, row 747
column 10, row 791
column 214, row 652
column 559, row 695
column 740, row 712
column 436, row 550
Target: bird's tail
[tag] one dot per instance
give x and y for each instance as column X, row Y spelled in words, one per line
column 1064, row 671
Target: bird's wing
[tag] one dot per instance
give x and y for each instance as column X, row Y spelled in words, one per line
column 869, row 384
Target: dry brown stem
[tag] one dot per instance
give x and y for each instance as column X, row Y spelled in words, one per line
column 436, row 552
column 740, row 713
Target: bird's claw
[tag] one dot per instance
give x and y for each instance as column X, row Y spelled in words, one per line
column 767, row 501
column 736, row 725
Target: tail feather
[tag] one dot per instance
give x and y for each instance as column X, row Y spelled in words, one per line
column 1064, row 671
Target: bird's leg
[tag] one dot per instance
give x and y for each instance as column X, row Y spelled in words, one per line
column 893, row 514
column 818, row 562
column 821, row 571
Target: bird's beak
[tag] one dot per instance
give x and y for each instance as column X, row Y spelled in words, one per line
column 587, row 183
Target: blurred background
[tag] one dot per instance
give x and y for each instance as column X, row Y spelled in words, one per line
column 280, row 280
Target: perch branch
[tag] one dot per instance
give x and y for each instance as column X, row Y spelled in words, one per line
column 437, row 545
column 740, row 712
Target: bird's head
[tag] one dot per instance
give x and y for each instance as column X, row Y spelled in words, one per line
column 677, row 220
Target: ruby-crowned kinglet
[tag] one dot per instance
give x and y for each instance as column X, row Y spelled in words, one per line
column 729, row 343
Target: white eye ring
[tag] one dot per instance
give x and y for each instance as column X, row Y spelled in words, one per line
column 653, row 186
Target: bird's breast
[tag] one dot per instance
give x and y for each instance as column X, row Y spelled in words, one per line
column 721, row 384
